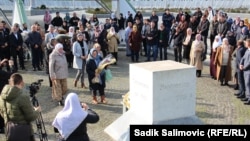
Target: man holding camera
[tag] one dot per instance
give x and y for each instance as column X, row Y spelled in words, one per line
column 18, row 105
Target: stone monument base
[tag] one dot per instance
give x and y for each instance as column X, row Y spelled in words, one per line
column 119, row 129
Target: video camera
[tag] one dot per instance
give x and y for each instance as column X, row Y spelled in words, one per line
column 41, row 131
column 34, row 87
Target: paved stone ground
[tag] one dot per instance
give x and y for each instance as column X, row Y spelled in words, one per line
column 215, row 104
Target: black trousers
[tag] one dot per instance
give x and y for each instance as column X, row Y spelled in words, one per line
column 177, row 53
column 241, row 80
column 18, row 54
column 36, row 54
column 223, row 72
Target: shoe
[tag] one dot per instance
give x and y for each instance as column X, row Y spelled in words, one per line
column 34, row 69
column 23, row 68
column 39, row 69
column 226, row 84
column 247, row 103
column 83, row 86
column 103, row 100
column 237, row 94
column 241, row 96
column 236, row 87
column 60, row 103
column 244, row 99
column 94, row 101
column 75, row 83
column 2, row 130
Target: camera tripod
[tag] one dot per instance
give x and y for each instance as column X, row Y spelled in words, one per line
column 41, row 131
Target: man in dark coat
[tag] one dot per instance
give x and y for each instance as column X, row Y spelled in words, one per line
column 35, row 42
column 245, row 67
column 16, row 49
column 240, row 52
column 57, row 21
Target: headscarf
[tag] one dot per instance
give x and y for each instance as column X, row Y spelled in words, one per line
column 57, row 47
column 97, row 58
column 112, row 30
column 197, row 39
column 71, row 116
column 217, row 43
column 226, row 47
column 71, row 33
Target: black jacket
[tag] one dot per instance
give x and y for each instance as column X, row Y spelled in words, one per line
column 15, row 42
column 154, row 34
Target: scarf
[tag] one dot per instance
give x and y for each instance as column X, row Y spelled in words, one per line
column 57, row 47
column 71, row 116
column 217, row 43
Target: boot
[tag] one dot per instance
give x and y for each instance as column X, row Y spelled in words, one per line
column 94, row 101
column 103, row 99
column 75, row 83
column 83, row 86
column 60, row 103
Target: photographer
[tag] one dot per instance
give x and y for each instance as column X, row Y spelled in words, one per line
column 20, row 110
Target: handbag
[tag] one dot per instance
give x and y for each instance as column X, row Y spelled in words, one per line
column 17, row 132
column 108, row 75
column 95, row 80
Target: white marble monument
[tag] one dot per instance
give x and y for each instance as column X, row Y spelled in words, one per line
column 161, row 92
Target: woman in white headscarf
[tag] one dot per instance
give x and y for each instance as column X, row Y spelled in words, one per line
column 92, row 64
column 113, row 42
column 217, row 42
column 197, row 49
column 58, row 71
column 222, row 61
column 72, row 121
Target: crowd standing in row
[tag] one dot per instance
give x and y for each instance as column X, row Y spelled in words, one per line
column 82, row 43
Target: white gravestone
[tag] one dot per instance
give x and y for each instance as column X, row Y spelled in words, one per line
column 161, row 92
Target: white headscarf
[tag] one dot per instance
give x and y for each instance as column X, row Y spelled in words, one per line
column 217, row 43
column 112, row 30
column 71, row 31
column 57, row 47
column 70, row 117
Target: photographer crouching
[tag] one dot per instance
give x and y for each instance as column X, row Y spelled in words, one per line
column 16, row 108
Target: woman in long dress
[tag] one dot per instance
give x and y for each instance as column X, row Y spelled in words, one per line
column 217, row 42
column 197, row 48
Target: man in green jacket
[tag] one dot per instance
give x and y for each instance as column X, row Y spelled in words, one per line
column 17, row 105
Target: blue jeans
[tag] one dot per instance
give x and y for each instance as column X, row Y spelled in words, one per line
column 155, row 52
column 128, row 51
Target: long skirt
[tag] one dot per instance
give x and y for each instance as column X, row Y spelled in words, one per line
column 212, row 66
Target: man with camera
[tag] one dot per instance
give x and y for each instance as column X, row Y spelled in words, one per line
column 20, row 111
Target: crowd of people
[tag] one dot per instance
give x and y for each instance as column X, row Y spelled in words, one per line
column 81, row 43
